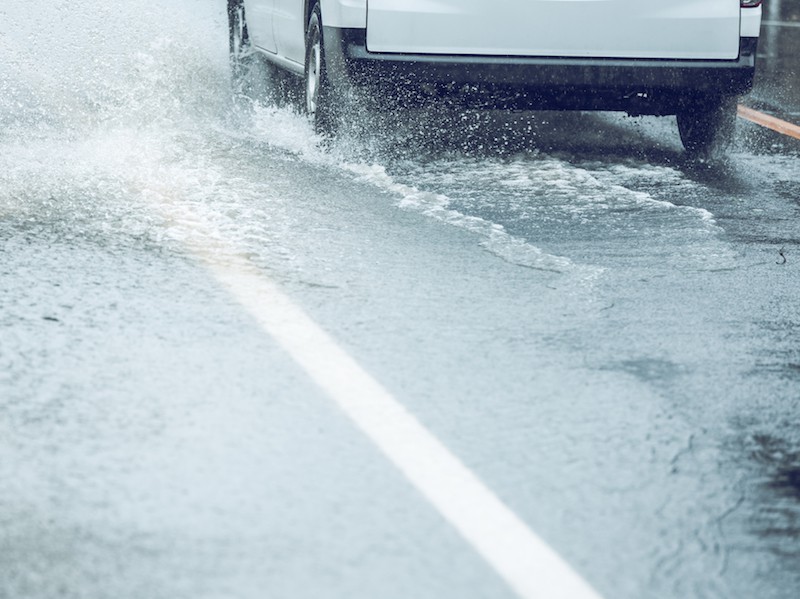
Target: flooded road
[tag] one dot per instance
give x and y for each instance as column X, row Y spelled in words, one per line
column 603, row 331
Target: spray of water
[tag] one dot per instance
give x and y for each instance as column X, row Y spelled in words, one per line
column 104, row 105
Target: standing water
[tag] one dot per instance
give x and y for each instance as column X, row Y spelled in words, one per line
column 596, row 326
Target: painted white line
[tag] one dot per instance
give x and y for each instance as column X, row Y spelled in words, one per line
column 781, row 23
column 527, row 564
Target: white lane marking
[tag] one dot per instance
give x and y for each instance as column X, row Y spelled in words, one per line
column 781, row 23
column 527, row 564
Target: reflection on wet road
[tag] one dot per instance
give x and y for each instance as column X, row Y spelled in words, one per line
column 602, row 330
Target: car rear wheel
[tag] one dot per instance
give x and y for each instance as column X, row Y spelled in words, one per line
column 320, row 101
column 707, row 128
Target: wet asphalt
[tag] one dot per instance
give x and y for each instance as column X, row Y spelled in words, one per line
column 602, row 329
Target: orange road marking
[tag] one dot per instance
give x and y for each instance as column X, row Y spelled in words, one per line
column 770, row 122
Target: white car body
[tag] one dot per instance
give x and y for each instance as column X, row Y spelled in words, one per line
column 680, row 29
column 575, row 28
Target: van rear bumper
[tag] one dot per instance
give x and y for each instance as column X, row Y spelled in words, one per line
column 639, row 86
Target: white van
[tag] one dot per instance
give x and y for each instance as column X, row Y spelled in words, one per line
column 690, row 58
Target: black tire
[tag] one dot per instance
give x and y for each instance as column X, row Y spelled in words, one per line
column 252, row 76
column 707, row 128
column 240, row 52
column 320, row 103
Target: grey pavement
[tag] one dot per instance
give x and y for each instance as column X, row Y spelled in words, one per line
column 601, row 329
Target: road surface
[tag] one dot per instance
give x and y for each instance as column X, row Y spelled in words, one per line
column 450, row 355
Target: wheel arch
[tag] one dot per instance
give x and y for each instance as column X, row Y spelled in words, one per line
column 340, row 13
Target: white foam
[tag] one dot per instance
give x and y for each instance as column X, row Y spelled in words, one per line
column 292, row 132
column 493, row 236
